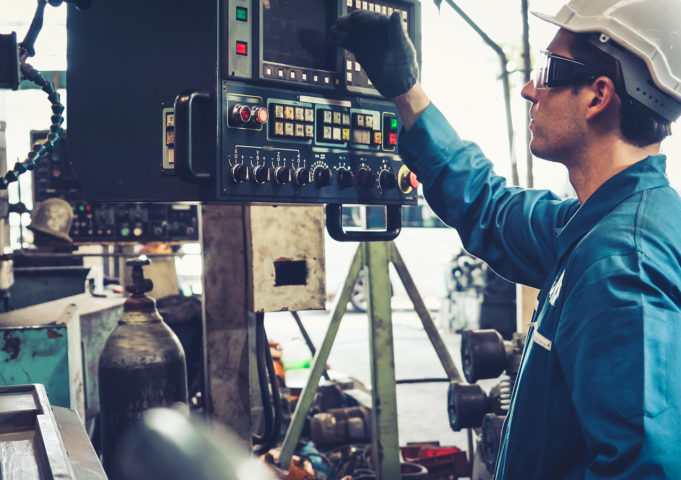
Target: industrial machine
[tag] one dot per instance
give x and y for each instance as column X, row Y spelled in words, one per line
column 236, row 101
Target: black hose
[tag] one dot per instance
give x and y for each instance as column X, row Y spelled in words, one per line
column 276, row 400
column 262, row 382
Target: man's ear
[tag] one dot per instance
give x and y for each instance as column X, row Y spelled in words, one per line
column 602, row 97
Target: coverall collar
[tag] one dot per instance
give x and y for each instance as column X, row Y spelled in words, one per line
column 646, row 174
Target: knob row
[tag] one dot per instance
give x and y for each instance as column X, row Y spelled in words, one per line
column 321, row 176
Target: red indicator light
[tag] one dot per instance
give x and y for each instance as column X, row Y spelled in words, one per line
column 413, row 180
column 392, row 139
column 241, row 48
column 245, row 114
column 88, row 208
column 262, row 115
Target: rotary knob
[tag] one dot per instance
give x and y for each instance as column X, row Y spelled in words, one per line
column 387, row 180
column 365, row 178
column 344, row 178
column 259, row 174
column 322, row 176
column 239, row 173
column 301, row 176
column 282, row 175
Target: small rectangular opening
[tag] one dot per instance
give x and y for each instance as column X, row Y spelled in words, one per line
column 290, row 272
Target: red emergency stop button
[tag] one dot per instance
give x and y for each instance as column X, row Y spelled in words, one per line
column 407, row 180
column 241, row 48
column 413, row 180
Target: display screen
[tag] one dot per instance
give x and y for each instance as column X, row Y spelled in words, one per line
column 295, row 33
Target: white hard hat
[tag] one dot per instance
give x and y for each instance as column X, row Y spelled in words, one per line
column 649, row 29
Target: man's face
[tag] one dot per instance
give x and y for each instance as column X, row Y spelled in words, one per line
column 557, row 122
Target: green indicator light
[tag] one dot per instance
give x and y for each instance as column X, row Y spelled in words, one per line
column 393, row 123
column 81, row 208
column 125, row 232
column 241, row 14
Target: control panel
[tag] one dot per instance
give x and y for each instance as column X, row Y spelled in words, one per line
column 291, row 147
column 102, row 222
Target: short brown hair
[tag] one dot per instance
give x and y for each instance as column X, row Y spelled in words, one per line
column 639, row 124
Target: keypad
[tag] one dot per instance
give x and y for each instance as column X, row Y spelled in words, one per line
column 292, row 121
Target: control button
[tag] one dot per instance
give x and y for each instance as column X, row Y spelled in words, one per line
column 393, row 123
column 365, row 178
column 384, row 10
column 261, row 115
column 268, row 71
column 280, row 73
column 337, row 118
column 387, row 180
column 315, row 79
column 278, row 111
column 260, row 174
column 136, row 232
column 358, row 120
column 365, row 5
column 371, row 7
column 358, row 67
column 288, row 113
column 365, row 137
column 344, row 178
column 348, row 77
column 390, row 11
column 288, row 129
column 392, row 139
column 242, row 14
column 406, row 180
column 300, row 130
column 327, row 133
column 241, row 48
column 239, row 172
column 346, row 119
column 369, row 121
column 301, row 176
column 309, row 115
column 337, row 133
column 328, row 115
column 125, row 231
column 309, row 131
column 349, row 4
column 404, row 14
column 348, row 64
column 241, row 113
column 279, row 128
column 304, row 77
column 282, row 175
column 293, row 75
column 345, row 134
column 322, row 176
column 378, row 138
column 300, row 114
column 327, row 80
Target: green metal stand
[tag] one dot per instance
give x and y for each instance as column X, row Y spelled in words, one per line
column 375, row 257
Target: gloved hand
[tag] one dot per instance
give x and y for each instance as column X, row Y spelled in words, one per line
column 382, row 47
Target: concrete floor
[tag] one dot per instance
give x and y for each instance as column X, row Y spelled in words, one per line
column 422, row 408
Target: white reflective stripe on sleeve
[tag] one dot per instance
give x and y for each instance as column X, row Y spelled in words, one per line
column 541, row 340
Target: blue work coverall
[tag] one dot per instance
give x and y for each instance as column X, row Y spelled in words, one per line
column 597, row 395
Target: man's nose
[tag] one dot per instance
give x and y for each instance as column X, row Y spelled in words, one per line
column 528, row 92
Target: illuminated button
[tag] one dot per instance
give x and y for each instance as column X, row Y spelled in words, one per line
column 356, row 136
column 378, row 138
column 345, row 134
column 359, row 120
column 349, row 3
column 300, row 114
column 293, row 75
column 327, row 80
column 288, row 113
column 241, row 48
column 125, row 231
column 358, row 4
column 261, row 115
column 279, row 128
column 242, row 14
column 358, row 67
column 315, row 78
column 327, row 134
column 404, row 15
column 336, row 133
column 170, row 120
column 384, row 10
column 300, row 130
column 288, row 129
column 348, row 77
column 346, row 119
column 371, row 7
column 365, row 5
column 369, row 121
column 366, row 137
column 390, row 11
column 392, row 139
column 309, row 115
column 278, row 111
column 304, row 77
column 393, row 123
column 309, row 131
column 170, row 137
column 327, row 116
column 137, row 231
column 280, row 73
column 268, row 71
column 348, row 64
column 337, row 118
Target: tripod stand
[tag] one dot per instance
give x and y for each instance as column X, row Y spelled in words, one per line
column 375, row 257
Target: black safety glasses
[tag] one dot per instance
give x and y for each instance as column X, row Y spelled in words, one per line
column 556, row 71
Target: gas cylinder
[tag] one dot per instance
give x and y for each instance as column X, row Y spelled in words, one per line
column 141, row 366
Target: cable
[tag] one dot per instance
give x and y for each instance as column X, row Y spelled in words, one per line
column 275, row 399
column 264, row 388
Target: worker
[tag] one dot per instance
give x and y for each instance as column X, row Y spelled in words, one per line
column 597, row 394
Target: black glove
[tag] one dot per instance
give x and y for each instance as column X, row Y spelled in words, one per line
column 382, row 47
